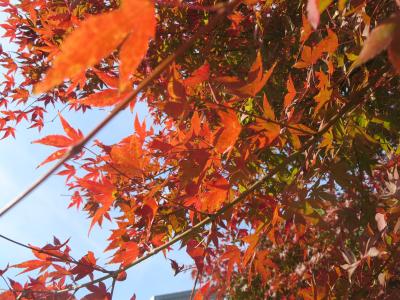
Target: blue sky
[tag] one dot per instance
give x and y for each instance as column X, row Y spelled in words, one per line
column 44, row 213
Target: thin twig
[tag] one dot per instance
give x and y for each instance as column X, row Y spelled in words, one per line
column 265, row 119
column 178, row 4
column 165, row 198
column 239, row 199
column 108, row 163
column 49, row 292
column 6, row 282
column 224, row 209
column 114, row 281
column 185, row 207
column 77, row 148
column 194, row 285
column 62, row 258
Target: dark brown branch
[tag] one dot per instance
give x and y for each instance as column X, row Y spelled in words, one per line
column 114, row 281
column 345, row 109
column 74, row 150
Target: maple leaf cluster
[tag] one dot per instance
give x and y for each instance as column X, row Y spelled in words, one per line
column 272, row 154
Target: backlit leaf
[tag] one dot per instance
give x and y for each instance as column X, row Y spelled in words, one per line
column 135, row 19
column 313, row 13
column 103, row 98
column 379, row 39
column 291, row 93
column 229, row 132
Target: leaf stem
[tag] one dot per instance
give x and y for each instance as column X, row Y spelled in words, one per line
column 77, row 148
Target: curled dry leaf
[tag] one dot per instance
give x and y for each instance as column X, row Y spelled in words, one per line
column 313, row 13
column 380, row 221
column 379, row 40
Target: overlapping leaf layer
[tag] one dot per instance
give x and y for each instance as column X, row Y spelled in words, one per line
column 298, row 88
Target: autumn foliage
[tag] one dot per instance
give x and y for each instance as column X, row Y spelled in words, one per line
column 272, row 157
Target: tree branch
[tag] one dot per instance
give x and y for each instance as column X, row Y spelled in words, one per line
column 74, row 150
column 345, row 109
column 194, row 286
column 64, row 259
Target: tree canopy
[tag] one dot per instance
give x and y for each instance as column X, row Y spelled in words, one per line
column 272, row 156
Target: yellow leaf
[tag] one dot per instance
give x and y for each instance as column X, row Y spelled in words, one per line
column 323, row 4
column 351, row 56
column 323, row 97
column 308, row 209
column 342, row 4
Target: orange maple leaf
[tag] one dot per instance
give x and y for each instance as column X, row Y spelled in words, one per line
column 256, row 79
column 103, row 98
column 270, row 131
column 103, row 193
column 132, row 25
column 60, row 141
column 228, row 133
column 127, row 254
